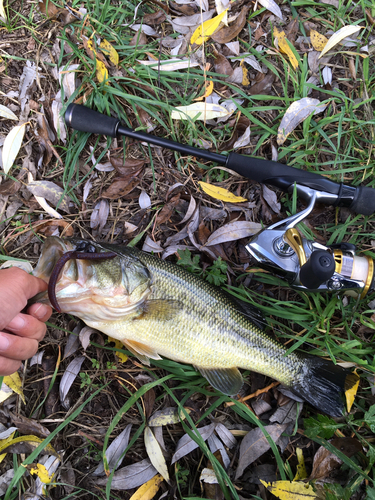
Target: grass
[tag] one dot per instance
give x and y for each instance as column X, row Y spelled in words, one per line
column 338, row 143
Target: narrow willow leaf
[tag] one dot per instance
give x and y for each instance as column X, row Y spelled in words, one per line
column 233, row 231
column 26, row 444
column 301, row 473
column 206, row 29
column 199, row 111
column 338, row 36
column 295, row 114
column 69, row 377
column 148, row 490
column 284, row 47
column 15, row 383
column 220, row 193
column 131, row 476
column 4, row 111
column 155, row 453
column 2, row 10
column 41, row 471
column 290, row 490
column 12, row 145
column 186, row 444
column 101, row 72
column 272, row 6
column 167, row 416
column 114, row 452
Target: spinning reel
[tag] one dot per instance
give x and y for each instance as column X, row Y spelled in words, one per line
column 280, row 249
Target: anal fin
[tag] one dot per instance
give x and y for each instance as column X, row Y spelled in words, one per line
column 141, row 351
column 226, row 380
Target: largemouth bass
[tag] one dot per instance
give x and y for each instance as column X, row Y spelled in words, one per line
column 157, row 309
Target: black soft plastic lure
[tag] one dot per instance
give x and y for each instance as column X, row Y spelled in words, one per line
column 73, row 254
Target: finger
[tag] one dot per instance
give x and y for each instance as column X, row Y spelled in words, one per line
column 16, row 287
column 8, row 366
column 17, row 348
column 25, row 325
column 42, row 312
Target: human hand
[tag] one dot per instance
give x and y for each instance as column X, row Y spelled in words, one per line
column 20, row 333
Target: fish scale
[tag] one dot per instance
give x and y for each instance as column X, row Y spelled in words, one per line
column 156, row 308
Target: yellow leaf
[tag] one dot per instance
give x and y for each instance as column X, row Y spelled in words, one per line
column 119, row 345
column 245, row 74
column 2, row 10
column 148, row 490
column 353, row 381
column 284, row 47
column 206, row 29
column 41, row 471
column 208, row 91
column 33, row 441
column 288, row 490
column 338, row 36
column 109, row 51
column 301, row 469
column 6, row 442
column 199, row 111
column 101, row 72
column 318, row 41
column 15, row 383
column 220, row 193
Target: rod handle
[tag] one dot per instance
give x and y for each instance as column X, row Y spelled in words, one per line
column 85, row 119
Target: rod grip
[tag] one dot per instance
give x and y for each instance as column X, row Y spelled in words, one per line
column 85, row 119
column 364, row 201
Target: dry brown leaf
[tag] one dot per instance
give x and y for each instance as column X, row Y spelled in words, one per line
column 226, row 35
column 129, row 167
column 49, row 226
column 29, row 426
column 51, row 192
column 255, row 444
column 155, row 18
column 264, row 86
column 222, row 65
column 325, row 461
column 121, row 186
column 139, row 39
column 167, row 211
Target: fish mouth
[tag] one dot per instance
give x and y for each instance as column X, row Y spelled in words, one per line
column 76, row 287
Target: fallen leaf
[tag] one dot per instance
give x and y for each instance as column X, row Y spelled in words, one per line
column 338, row 36
column 244, row 140
column 12, row 145
column 29, row 426
column 154, row 18
column 206, row 29
column 155, row 453
column 245, row 75
column 121, row 186
column 41, row 471
column 226, row 35
column 15, row 383
column 101, row 72
column 131, row 476
column 350, row 393
column 264, row 86
column 4, row 111
column 69, row 377
column 72, row 343
column 38, row 490
column 26, row 445
column 325, row 461
column 84, row 336
column 220, row 193
column 120, row 346
column 271, row 198
column 301, row 468
column 2, row 10
column 209, row 87
column 225, row 435
column 167, row 416
column 51, row 192
column 148, row 490
column 272, row 6
column 297, row 112
column 109, row 51
column 170, row 64
column 284, row 47
column 255, row 444
column 290, row 490
column 199, row 111
column 222, row 65
column 318, row 41
column 114, row 451
column 150, row 245
column 186, row 444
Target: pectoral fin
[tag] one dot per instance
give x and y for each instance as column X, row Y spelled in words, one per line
column 226, row 380
column 141, row 351
column 159, row 309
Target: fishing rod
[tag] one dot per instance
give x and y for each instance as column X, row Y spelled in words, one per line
column 280, row 249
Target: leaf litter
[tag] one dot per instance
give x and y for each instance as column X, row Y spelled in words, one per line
column 129, row 208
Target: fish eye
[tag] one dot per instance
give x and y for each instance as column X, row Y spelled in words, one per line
column 85, row 246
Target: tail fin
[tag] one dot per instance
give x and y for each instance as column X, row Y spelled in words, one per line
column 322, row 383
